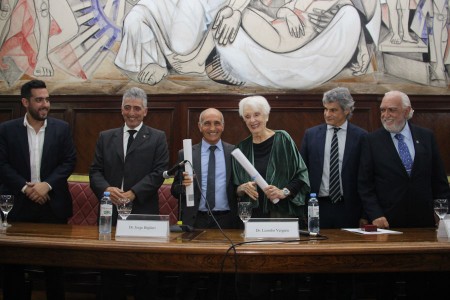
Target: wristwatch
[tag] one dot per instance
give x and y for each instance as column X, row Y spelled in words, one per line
column 286, row 192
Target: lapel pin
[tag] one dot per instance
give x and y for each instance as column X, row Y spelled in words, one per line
column 417, row 141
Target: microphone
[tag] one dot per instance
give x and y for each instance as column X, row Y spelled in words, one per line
column 308, row 233
column 171, row 172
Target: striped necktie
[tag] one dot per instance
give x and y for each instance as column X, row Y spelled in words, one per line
column 335, row 181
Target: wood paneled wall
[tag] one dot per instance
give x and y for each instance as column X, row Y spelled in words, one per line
column 177, row 115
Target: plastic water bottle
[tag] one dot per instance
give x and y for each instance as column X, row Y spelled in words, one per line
column 106, row 210
column 313, row 214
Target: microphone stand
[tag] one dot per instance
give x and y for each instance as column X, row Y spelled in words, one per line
column 179, row 227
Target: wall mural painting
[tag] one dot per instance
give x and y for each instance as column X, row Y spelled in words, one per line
column 298, row 44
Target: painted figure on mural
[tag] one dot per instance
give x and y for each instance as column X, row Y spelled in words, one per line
column 291, row 44
column 33, row 27
column 426, row 32
column 399, row 21
column 430, row 23
column 72, row 36
column 294, row 51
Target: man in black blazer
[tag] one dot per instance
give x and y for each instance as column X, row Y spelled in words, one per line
column 37, row 155
column 394, row 195
column 346, row 211
column 133, row 172
column 211, row 125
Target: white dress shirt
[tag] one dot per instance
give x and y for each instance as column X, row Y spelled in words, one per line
column 324, row 190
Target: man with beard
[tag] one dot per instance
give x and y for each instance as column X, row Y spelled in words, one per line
column 37, row 156
column 401, row 171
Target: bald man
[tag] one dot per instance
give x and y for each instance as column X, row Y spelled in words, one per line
column 211, row 124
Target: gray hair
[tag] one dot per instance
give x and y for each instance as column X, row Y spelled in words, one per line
column 342, row 96
column 258, row 103
column 200, row 118
column 135, row 93
column 405, row 101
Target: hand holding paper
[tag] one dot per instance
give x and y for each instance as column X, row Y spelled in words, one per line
column 250, row 169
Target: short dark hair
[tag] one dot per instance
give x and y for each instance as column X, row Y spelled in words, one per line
column 25, row 91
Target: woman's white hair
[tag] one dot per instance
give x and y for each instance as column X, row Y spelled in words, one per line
column 258, row 103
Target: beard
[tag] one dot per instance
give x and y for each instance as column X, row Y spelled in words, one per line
column 394, row 128
column 35, row 115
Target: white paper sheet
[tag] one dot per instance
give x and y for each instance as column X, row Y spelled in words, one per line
column 187, row 148
column 250, row 169
column 379, row 231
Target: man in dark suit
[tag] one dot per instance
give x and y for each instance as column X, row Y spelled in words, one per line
column 393, row 193
column 211, row 125
column 345, row 209
column 37, row 156
column 201, row 214
column 132, row 171
column 400, row 174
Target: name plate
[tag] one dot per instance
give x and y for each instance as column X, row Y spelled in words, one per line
column 143, row 226
column 274, row 228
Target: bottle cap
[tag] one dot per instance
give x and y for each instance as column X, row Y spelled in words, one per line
column 312, row 195
column 106, row 194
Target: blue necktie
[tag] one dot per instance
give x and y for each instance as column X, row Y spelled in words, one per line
column 403, row 151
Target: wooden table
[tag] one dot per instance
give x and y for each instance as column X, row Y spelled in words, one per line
column 204, row 251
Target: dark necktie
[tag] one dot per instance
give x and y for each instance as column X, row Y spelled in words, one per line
column 403, row 151
column 335, row 181
column 211, row 183
column 130, row 138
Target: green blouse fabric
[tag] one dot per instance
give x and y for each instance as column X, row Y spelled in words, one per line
column 285, row 164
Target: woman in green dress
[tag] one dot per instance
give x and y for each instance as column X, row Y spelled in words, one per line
column 275, row 156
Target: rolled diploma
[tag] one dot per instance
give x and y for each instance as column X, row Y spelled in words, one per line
column 250, row 169
column 187, row 149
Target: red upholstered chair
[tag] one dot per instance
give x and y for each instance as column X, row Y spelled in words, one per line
column 85, row 204
column 168, row 204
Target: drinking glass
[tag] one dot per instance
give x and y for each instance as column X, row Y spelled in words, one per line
column 6, row 204
column 245, row 211
column 124, row 208
column 440, row 208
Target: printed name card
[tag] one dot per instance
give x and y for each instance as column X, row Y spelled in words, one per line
column 143, row 226
column 275, row 228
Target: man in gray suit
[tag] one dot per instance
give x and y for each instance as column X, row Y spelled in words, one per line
column 211, row 125
column 134, row 173
column 128, row 163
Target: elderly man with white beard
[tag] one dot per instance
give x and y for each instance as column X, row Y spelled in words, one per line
column 401, row 171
